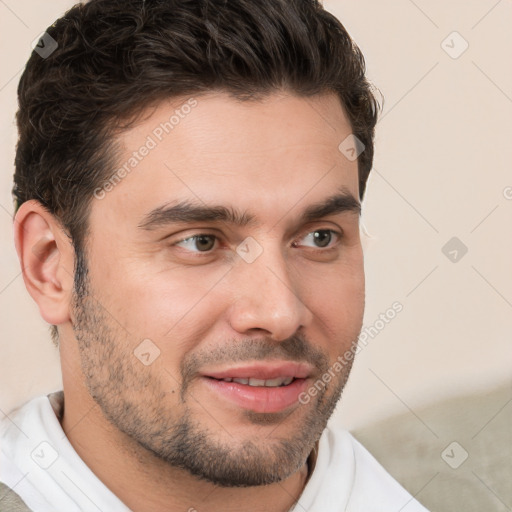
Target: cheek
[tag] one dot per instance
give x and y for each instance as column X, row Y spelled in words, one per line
column 165, row 305
column 343, row 303
column 338, row 300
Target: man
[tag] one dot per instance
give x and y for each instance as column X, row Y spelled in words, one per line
column 188, row 185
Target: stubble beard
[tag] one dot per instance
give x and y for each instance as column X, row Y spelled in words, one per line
column 135, row 401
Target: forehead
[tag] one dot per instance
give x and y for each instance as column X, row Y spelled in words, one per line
column 268, row 154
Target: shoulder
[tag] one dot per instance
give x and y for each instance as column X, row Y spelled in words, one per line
column 346, row 467
column 40, row 465
column 18, row 429
column 14, row 425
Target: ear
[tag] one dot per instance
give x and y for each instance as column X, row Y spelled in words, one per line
column 46, row 256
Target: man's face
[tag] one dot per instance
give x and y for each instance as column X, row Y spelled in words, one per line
column 178, row 304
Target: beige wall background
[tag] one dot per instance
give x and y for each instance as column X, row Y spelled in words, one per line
column 442, row 170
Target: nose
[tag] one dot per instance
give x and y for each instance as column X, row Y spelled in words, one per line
column 267, row 298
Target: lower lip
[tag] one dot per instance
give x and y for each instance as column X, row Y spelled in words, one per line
column 256, row 398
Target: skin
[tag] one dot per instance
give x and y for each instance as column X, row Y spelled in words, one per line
column 296, row 301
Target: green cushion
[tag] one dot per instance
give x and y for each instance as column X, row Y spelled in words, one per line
column 426, row 452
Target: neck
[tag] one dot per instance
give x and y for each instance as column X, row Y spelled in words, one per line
column 144, row 482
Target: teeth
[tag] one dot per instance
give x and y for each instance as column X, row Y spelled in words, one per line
column 270, row 383
column 256, row 382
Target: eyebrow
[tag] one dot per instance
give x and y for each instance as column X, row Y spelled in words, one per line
column 188, row 212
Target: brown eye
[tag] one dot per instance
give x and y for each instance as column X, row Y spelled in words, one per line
column 198, row 243
column 205, row 242
column 321, row 238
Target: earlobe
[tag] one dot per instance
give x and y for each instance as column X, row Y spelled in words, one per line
column 46, row 259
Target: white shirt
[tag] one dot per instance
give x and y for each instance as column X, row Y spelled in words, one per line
column 40, row 465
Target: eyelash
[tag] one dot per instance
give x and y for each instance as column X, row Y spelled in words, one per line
column 206, row 253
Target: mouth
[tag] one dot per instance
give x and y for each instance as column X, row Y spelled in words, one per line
column 265, row 388
column 268, row 383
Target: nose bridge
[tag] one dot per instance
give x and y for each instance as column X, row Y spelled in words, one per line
column 267, row 297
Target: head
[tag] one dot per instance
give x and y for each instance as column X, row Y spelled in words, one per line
column 188, row 213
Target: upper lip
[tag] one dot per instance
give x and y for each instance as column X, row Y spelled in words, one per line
column 263, row 370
